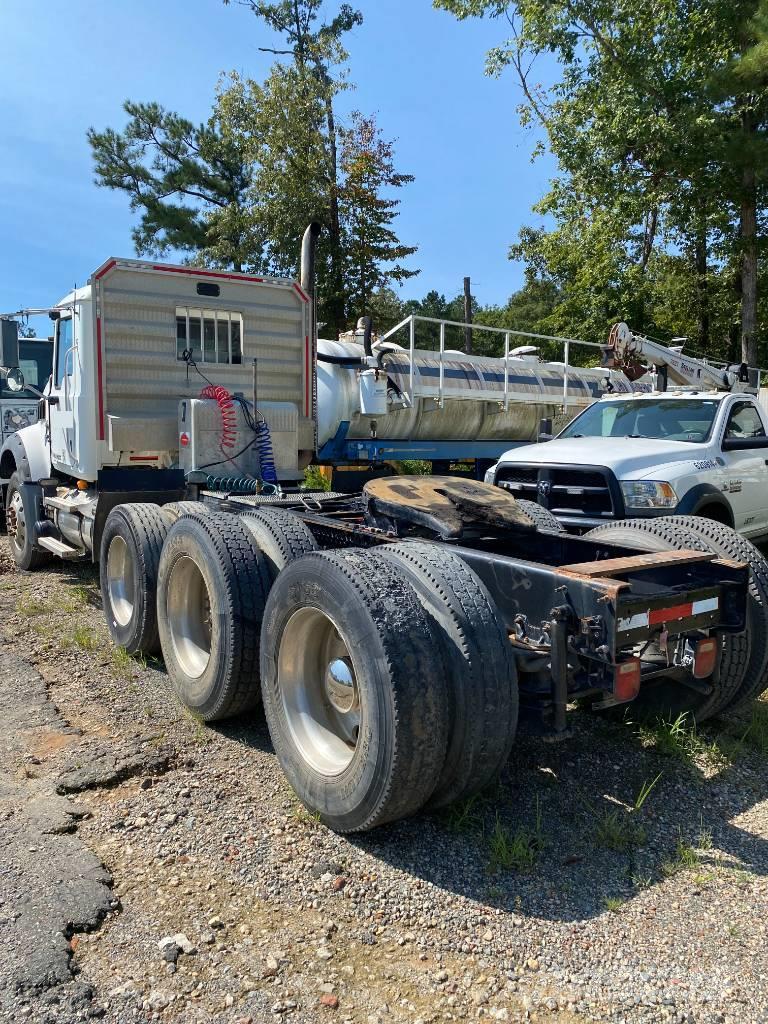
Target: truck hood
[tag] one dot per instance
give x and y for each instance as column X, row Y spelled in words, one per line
column 629, row 457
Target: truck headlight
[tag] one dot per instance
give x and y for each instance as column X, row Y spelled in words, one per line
column 490, row 474
column 648, row 494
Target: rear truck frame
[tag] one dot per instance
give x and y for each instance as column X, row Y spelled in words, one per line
column 400, row 638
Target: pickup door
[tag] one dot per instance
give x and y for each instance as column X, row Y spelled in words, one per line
column 744, row 476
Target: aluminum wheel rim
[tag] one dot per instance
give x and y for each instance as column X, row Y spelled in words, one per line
column 121, row 581
column 189, row 617
column 17, row 524
column 319, row 692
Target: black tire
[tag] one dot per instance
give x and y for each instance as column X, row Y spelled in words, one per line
column 176, row 509
column 541, row 516
column 379, row 758
column 670, row 699
column 211, row 594
column 480, row 666
column 727, row 543
column 281, row 535
column 129, row 559
column 23, row 553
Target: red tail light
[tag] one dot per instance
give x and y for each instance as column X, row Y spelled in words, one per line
column 705, row 658
column 626, row 680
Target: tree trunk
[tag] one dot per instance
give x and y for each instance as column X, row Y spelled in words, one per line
column 702, row 281
column 748, row 234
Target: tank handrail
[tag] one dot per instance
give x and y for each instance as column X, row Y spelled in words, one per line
column 410, row 322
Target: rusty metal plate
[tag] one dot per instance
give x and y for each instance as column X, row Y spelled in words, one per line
column 447, row 505
column 631, row 563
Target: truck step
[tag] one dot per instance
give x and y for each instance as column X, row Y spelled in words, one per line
column 59, row 548
column 65, row 504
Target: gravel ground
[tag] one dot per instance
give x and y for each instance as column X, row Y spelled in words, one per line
column 563, row 895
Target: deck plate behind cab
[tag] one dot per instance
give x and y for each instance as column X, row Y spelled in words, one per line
column 446, row 505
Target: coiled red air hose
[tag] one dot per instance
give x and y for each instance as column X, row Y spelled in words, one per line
column 228, row 413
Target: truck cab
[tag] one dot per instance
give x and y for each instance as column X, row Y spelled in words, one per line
column 19, row 409
column 682, row 452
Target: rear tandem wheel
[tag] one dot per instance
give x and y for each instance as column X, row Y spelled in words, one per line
column 665, row 697
column 354, row 695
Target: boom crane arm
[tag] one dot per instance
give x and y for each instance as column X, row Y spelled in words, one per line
column 636, row 355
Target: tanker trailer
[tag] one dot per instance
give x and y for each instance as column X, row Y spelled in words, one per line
column 379, row 401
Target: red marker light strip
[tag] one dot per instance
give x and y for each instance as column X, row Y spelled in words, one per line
column 659, row 616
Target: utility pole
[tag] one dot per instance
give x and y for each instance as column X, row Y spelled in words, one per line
column 467, row 316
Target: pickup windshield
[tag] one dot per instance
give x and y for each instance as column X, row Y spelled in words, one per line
column 669, row 419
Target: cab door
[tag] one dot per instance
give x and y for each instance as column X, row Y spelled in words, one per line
column 61, row 417
column 745, row 473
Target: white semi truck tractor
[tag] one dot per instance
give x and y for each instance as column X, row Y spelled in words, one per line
column 397, row 637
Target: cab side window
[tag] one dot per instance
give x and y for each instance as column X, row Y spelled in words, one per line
column 744, row 421
column 64, row 339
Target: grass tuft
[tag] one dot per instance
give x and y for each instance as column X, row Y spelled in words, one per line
column 680, row 739
column 617, row 830
column 685, row 859
column 85, row 638
column 613, row 903
column 518, row 850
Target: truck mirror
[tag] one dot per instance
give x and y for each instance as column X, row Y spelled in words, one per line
column 14, row 378
column 9, row 344
column 545, row 430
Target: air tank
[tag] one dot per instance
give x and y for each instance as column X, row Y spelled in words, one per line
column 468, row 406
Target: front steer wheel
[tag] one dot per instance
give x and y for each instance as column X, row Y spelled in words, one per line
column 19, row 537
column 354, row 692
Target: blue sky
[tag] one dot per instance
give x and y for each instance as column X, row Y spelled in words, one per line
column 69, row 64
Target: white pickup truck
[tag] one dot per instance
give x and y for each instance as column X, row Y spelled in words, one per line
column 673, row 453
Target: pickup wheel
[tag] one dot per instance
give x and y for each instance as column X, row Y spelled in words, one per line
column 212, row 587
column 669, row 698
column 281, row 536
column 354, row 692
column 541, row 516
column 128, row 565
column 729, row 544
column 24, row 554
column 479, row 666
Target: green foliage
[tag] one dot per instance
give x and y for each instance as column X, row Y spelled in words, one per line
column 239, row 190
column 658, row 118
column 187, row 181
column 314, row 480
column 372, row 252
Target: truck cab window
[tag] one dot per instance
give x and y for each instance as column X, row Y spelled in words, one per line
column 64, row 340
column 744, row 421
column 209, row 335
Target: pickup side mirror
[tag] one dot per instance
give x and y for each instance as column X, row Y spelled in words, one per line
column 744, row 444
column 545, row 430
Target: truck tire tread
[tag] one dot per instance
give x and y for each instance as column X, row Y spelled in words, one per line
column 398, row 663
column 480, row 668
column 543, row 518
column 240, row 569
column 146, row 530
column 281, row 535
